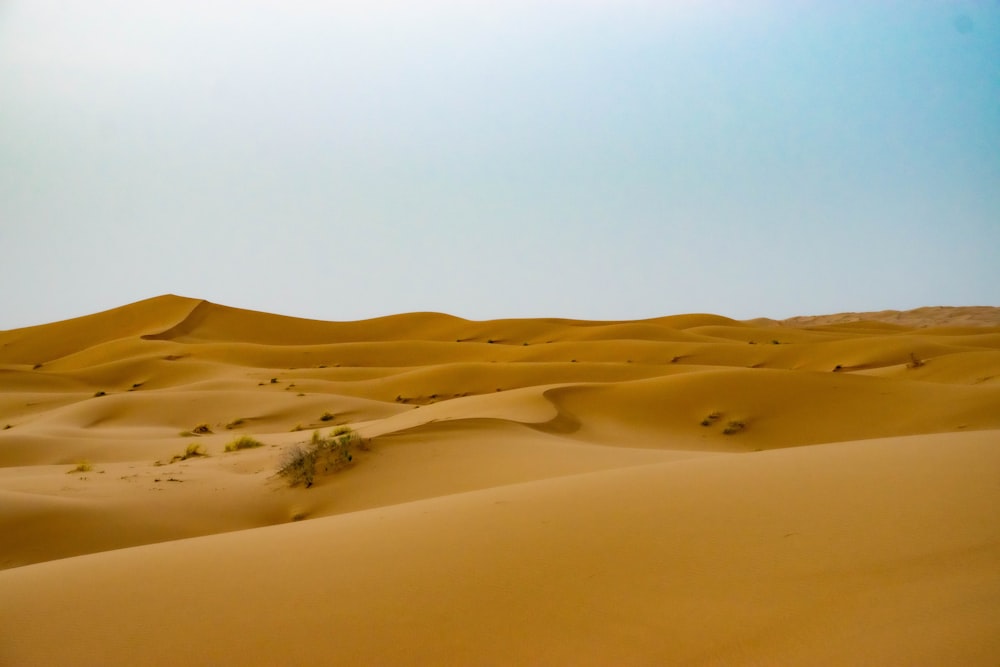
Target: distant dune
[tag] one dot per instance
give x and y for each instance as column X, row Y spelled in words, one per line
column 684, row 490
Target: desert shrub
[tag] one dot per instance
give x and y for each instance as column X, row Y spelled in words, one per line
column 193, row 450
column 236, row 423
column 327, row 416
column 98, row 394
column 300, row 463
column 82, row 466
column 243, row 442
column 201, row 429
column 711, row 419
column 915, row 362
column 734, row 427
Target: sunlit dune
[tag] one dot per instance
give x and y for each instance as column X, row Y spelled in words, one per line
column 689, row 489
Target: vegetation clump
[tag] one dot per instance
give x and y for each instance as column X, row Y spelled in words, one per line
column 201, row 429
column 82, row 466
column 243, row 442
column 734, row 427
column 193, row 450
column 300, row 463
column 711, row 419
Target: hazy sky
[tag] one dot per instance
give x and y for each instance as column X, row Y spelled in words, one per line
column 601, row 158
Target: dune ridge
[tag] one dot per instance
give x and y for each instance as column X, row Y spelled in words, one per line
column 688, row 489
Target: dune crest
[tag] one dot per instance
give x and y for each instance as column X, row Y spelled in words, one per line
column 689, row 489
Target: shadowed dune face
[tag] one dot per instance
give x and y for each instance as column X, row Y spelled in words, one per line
column 691, row 422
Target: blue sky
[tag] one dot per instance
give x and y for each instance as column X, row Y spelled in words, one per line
column 596, row 159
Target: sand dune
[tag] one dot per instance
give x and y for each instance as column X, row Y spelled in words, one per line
column 688, row 489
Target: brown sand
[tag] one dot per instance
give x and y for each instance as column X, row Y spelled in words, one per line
column 537, row 491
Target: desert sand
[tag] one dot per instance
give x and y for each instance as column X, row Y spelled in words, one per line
column 686, row 490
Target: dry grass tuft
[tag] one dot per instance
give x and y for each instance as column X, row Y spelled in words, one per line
column 243, row 442
column 300, row 463
column 192, row 451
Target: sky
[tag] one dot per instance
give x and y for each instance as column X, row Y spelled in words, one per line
column 600, row 159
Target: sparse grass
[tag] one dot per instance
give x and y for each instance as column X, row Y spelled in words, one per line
column 300, row 463
column 201, row 429
column 98, row 394
column 327, row 416
column 734, row 427
column 711, row 419
column 82, row 466
column 243, row 442
column 193, row 450
column 236, row 423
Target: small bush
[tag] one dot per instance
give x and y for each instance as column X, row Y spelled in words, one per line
column 734, row 427
column 236, row 423
column 243, row 442
column 192, row 450
column 711, row 419
column 327, row 416
column 82, row 466
column 201, row 429
column 98, row 394
column 300, row 462
column 915, row 362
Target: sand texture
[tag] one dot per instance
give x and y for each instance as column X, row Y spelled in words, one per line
column 685, row 490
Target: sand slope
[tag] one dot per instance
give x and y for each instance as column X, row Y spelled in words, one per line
column 682, row 490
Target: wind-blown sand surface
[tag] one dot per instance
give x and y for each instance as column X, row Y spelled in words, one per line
column 687, row 490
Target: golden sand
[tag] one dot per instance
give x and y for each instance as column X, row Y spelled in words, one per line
column 686, row 490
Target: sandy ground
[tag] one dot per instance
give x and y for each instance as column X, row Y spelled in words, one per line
column 687, row 490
